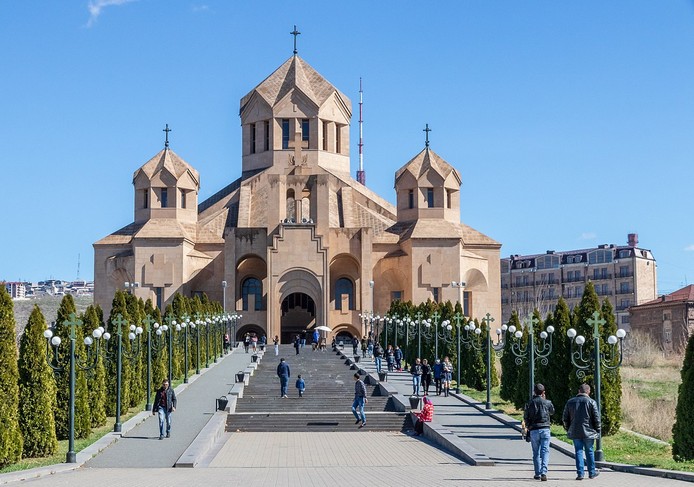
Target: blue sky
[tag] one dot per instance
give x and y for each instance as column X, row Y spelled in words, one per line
column 571, row 123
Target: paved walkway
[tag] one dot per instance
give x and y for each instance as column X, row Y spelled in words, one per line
column 499, row 442
column 140, row 447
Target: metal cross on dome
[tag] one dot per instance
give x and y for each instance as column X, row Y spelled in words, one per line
column 295, row 33
column 427, row 130
column 167, row 130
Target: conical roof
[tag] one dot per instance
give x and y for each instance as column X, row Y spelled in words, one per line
column 169, row 160
column 425, row 161
column 295, row 73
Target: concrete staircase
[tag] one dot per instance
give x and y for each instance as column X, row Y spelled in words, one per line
column 326, row 403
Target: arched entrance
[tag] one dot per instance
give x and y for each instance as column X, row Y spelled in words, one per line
column 298, row 314
column 249, row 329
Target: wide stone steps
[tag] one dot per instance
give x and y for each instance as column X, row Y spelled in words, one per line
column 288, row 422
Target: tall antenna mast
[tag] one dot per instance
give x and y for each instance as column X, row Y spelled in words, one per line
column 78, row 267
column 361, row 175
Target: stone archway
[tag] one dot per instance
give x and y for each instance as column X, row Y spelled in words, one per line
column 300, row 302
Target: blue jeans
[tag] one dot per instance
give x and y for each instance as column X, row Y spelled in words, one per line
column 580, row 446
column 539, row 440
column 416, row 381
column 378, row 364
column 164, row 419
column 358, row 405
column 283, row 385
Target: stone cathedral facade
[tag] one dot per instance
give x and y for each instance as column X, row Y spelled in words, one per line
column 297, row 240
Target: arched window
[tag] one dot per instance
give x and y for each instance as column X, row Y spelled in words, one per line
column 252, row 287
column 291, row 206
column 344, row 286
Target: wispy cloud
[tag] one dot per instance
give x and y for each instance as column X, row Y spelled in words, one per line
column 95, row 8
column 689, row 248
column 201, row 8
column 588, row 236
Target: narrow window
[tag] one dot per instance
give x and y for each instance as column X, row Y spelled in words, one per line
column 449, row 198
column 145, row 195
column 266, row 134
column 285, row 133
column 183, row 198
column 253, row 138
column 344, row 286
column 160, row 297
column 164, row 198
column 304, row 129
column 467, row 303
column 252, row 287
column 410, row 199
column 396, row 296
column 325, row 136
column 435, row 292
column 430, row 197
column 338, row 139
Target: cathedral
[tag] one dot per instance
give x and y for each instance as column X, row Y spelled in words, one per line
column 295, row 241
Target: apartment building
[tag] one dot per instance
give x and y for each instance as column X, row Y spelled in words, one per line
column 624, row 274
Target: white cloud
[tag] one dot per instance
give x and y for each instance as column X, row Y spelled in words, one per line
column 96, row 6
column 588, row 236
column 201, row 8
column 689, row 248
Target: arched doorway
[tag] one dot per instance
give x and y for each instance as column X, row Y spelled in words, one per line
column 249, row 329
column 298, row 314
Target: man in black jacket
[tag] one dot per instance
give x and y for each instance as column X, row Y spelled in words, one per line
column 164, row 404
column 582, row 423
column 283, row 373
column 537, row 420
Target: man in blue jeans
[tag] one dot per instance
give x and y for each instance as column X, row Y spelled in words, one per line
column 582, row 423
column 359, row 400
column 283, row 373
column 537, row 420
column 164, row 404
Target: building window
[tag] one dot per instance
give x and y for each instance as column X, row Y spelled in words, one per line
column 252, row 286
column 266, row 135
column 253, row 138
column 600, row 257
column 396, row 296
column 623, row 287
column 159, row 292
column 625, row 319
column 435, row 291
column 164, row 199
column 285, row 133
column 449, row 198
column 430, row 197
column 467, row 303
column 410, row 198
column 183, row 198
column 338, row 139
column 304, row 129
column 344, row 286
column 145, row 198
column 624, row 271
column 325, row 136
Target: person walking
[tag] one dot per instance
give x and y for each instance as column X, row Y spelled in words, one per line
column 426, row 376
column 378, row 356
column 537, row 421
column 364, row 346
column 227, row 343
column 246, row 341
column 283, row 373
column 447, row 376
column 360, row 400
column 438, row 373
column 581, row 420
column 300, row 385
column 390, row 358
column 297, row 344
column 416, row 371
column 316, row 340
column 276, row 342
column 397, row 355
column 164, row 404
column 370, row 346
column 355, row 345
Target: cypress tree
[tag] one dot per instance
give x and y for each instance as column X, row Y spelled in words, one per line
column 158, row 347
column 97, row 376
column 10, row 433
column 559, row 366
column 611, row 393
column 136, row 313
column 476, row 376
column 62, row 412
column 683, row 429
column 118, row 306
column 509, row 367
column 37, row 390
column 523, row 379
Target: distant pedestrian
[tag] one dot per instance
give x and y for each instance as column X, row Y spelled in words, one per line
column 378, row 356
column 390, row 358
column 416, row 371
column 227, row 343
column 246, row 341
column 446, row 376
column 355, row 345
column 360, row 400
column 398, row 356
column 300, row 385
column 283, row 373
column 297, row 344
column 438, row 373
column 581, row 420
column 262, row 341
column 302, row 339
column 276, row 342
column 322, row 344
column 537, row 420
column 426, row 376
column 316, row 339
column 254, row 342
column 424, row 416
column 370, row 347
column 164, row 404
column 364, row 346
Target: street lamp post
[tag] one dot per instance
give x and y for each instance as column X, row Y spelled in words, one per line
column 159, row 346
column 532, row 350
column 169, row 327
column 183, row 325
column 118, row 354
column 426, row 332
column 497, row 347
column 610, row 361
column 444, row 334
column 87, row 364
column 235, row 318
column 458, row 318
column 224, row 296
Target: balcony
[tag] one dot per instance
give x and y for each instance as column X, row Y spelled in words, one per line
column 574, row 279
column 624, row 291
column 603, row 293
column 601, row 277
column 625, row 274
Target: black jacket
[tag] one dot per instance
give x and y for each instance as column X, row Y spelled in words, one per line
column 537, row 413
column 283, row 370
column 170, row 399
column 581, row 418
